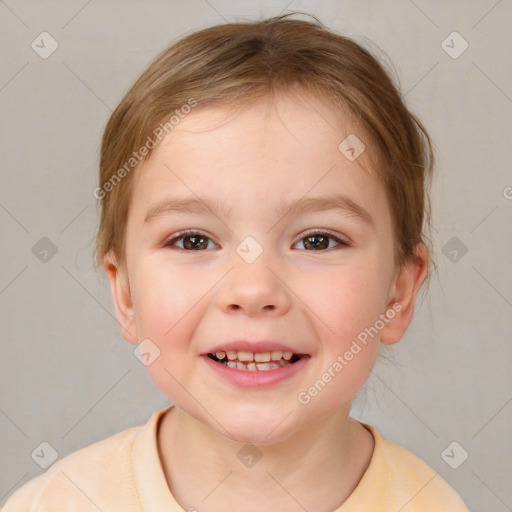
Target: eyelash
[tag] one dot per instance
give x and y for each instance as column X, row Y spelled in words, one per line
column 183, row 234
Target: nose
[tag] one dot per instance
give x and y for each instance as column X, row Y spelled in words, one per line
column 254, row 289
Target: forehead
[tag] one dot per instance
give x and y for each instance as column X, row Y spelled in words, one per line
column 290, row 118
column 288, row 145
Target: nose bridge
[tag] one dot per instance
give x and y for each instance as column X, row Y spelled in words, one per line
column 253, row 285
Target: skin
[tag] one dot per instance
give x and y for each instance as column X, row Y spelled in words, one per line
column 316, row 301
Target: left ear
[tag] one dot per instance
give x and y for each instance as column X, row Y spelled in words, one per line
column 406, row 286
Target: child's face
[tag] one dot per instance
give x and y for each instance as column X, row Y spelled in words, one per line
column 314, row 301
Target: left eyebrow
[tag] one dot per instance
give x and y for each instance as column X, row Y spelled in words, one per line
column 294, row 207
column 318, row 204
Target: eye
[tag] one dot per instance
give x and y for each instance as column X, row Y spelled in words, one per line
column 192, row 241
column 319, row 240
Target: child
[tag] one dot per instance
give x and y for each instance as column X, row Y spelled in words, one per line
column 282, row 154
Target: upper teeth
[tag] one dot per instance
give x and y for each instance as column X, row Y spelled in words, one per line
column 259, row 357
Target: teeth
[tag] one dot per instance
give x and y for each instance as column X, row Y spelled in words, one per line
column 259, row 357
column 245, row 356
column 268, row 366
column 255, row 367
column 262, row 357
column 258, row 361
column 276, row 355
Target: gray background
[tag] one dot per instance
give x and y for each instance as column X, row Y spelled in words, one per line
column 66, row 375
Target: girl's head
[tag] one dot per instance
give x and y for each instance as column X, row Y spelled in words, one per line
column 240, row 134
column 234, row 64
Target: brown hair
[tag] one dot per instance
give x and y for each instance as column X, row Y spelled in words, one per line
column 236, row 63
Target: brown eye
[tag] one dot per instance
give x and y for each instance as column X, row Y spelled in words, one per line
column 319, row 241
column 192, row 241
column 195, row 242
column 316, row 242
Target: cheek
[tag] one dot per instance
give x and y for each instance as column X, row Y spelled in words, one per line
column 347, row 300
column 168, row 307
column 164, row 301
column 347, row 311
column 347, row 304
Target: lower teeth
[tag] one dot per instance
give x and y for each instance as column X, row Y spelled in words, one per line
column 253, row 367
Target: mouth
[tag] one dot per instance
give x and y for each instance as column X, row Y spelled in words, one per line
column 256, row 361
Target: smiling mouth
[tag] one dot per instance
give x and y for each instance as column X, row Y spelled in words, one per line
column 255, row 362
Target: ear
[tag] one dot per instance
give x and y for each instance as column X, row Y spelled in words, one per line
column 122, row 299
column 406, row 286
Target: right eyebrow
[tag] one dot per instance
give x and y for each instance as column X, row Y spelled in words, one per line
column 185, row 205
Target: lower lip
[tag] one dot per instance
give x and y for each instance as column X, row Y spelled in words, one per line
column 257, row 378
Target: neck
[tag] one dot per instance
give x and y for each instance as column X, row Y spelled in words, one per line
column 322, row 463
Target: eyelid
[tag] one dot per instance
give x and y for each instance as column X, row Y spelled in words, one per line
column 322, row 231
column 169, row 242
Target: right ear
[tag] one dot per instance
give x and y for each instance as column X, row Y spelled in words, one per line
column 122, row 299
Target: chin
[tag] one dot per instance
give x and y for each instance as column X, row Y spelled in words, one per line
column 255, row 429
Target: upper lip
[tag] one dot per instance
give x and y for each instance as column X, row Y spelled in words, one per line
column 253, row 346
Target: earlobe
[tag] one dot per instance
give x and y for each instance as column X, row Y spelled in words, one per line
column 406, row 286
column 120, row 289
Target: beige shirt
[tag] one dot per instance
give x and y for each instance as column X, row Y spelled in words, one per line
column 123, row 473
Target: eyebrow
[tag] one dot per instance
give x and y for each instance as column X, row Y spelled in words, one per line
column 294, row 207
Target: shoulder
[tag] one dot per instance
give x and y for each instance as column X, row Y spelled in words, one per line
column 82, row 480
column 409, row 481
